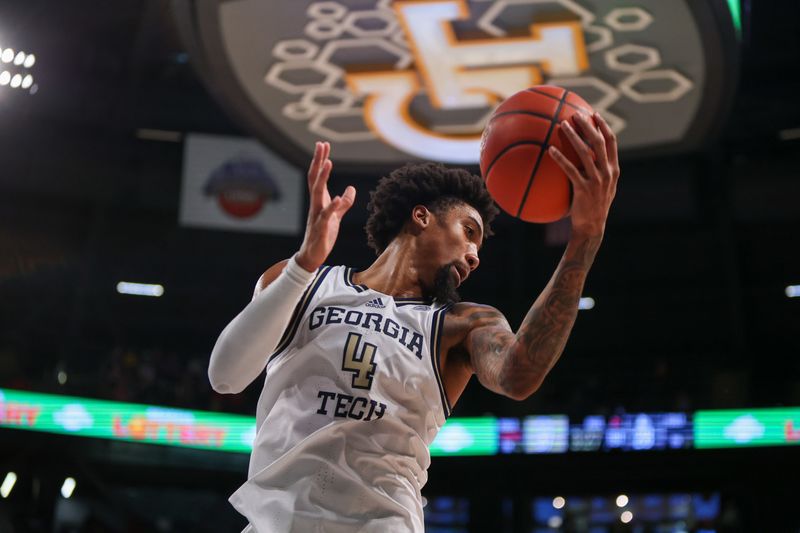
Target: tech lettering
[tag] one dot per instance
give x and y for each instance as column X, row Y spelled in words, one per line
column 346, row 406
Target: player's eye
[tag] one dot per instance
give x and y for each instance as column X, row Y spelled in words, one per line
column 470, row 231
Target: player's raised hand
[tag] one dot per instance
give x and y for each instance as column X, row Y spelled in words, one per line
column 595, row 186
column 324, row 213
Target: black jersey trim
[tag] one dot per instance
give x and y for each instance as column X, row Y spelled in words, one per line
column 422, row 303
column 299, row 311
column 348, row 280
column 437, row 323
column 399, row 302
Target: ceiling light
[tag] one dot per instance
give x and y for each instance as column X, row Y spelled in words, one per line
column 27, row 81
column 68, row 487
column 139, row 289
column 5, row 77
column 16, row 81
column 7, row 56
column 8, row 484
column 29, row 61
column 20, row 59
column 586, row 303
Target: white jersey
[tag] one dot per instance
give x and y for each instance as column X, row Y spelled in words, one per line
column 352, row 399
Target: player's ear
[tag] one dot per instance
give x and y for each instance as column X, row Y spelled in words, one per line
column 420, row 217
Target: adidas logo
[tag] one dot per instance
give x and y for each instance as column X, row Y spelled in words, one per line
column 376, row 302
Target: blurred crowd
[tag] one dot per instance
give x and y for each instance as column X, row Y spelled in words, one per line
column 159, row 376
column 153, row 376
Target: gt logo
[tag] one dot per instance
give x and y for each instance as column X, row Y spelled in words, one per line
column 360, row 364
column 389, row 80
column 460, row 74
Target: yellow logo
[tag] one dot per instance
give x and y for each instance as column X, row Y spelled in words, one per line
column 459, row 74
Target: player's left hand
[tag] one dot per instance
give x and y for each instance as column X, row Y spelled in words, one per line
column 595, row 186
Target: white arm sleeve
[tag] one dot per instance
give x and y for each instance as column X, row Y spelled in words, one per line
column 241, row 351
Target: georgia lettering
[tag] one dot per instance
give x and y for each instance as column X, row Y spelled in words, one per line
column 411, row 340
column 347, row 406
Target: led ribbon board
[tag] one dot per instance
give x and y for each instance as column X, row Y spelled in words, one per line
column 149, row 424
column 747, row 428
column 388, row 81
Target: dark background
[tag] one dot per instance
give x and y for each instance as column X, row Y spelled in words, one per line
column 691, row 311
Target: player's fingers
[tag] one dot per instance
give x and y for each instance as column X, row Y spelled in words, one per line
column 323, row 172
column 313, row 169
column 321, row 186
column 611, row 140
column 348, row 199
column 331, row 208
column 566, row 165
column 595, row 139
column 580, row 148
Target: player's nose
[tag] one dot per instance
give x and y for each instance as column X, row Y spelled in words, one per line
column 472, row 260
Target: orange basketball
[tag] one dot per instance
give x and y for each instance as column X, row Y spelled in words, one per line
column 519, row 173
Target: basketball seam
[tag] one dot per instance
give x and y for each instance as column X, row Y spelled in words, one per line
column 537, row 91
column 573, row 106
column 532, row 90
column 506, row 149
column 541, row 152
column 540, row 115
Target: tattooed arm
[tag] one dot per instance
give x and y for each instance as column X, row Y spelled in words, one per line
column 516, row 364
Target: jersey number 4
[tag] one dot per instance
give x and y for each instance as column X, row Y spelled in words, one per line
column 359, row 361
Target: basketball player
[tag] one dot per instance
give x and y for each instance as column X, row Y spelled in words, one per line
column 363, row 368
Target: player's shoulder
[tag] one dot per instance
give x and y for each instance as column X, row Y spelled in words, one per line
column 272, row 273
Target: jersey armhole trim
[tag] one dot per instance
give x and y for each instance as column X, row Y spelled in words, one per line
column 348, row 280
column 299, row 311
column 437, row 324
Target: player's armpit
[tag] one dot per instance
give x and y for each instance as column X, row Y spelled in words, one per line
column 488, row 343
column 269, row 276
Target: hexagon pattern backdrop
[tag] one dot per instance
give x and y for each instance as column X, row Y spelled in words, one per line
column 392, row 81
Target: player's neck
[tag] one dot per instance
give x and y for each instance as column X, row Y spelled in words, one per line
column 395, row 271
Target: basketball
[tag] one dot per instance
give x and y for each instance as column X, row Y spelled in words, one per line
column 519, row 173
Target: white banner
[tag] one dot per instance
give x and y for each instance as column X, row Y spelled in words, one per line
column 237, row 184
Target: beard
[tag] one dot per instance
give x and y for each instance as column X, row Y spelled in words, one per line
column 444, row 288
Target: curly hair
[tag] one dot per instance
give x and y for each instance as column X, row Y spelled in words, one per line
column 430, row 184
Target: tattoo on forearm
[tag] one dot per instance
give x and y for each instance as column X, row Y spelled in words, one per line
column 544, row 331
